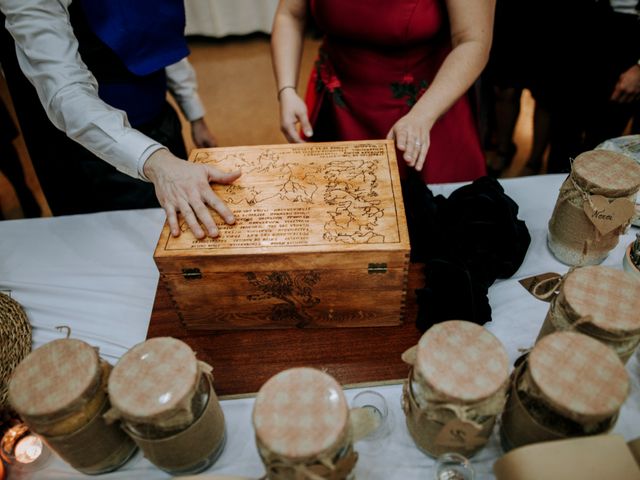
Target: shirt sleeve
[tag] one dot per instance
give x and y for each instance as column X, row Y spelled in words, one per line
column 182, row 83
column 47, row 52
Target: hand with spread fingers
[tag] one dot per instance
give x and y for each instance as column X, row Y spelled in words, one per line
column 411, row 135
column 184, row 187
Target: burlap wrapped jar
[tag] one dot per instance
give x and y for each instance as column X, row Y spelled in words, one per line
column 60, row 391
column 303, row 428
column 573, row 237
column 601, row 302
column 569, row 386
column 165, row 399
column 456, row 388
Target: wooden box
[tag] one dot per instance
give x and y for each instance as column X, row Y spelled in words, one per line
column 320, row 240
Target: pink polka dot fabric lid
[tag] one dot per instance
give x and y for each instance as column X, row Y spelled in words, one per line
column 579, row 376
column 154, row 378
column 300, row 413
column 55, row 378
column 611, row 297
column 462, row 361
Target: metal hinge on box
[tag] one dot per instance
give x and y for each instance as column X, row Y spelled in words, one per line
column 377, row 268
column 191, row 273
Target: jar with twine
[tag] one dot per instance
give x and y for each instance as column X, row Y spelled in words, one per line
column 60, row 391
column 165, row 399
column 304, row 428
column 570, row 385
column 601, row 302
column 456, row 388
column 595, row 206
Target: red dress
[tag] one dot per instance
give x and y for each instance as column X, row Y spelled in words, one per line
column 376, row 60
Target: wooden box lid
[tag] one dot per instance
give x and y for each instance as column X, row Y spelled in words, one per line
column 300, row 199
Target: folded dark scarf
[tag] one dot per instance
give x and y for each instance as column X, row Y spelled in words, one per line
column 466, row 242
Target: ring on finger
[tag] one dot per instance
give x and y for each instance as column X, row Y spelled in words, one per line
column 418, row 143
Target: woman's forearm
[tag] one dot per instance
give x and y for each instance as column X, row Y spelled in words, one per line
column 471, row 27
column 287, row 42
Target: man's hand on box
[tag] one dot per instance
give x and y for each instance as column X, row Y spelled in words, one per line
column 184, row 187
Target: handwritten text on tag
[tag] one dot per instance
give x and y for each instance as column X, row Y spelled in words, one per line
column 607, row 216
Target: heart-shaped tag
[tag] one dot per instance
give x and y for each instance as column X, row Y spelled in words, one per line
column 542, row 286
column 605, row 215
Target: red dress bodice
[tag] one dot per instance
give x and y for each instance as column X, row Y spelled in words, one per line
column 376, row 60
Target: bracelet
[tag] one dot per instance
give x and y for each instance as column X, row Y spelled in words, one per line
column 284, row 88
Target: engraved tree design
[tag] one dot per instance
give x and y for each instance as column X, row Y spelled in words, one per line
column 295, row 292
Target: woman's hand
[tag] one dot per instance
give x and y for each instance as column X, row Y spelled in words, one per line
column 201, row 135
column 411, row 134
column 185, row 187
column 293, row 110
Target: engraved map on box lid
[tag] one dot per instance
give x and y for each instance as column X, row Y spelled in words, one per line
column 306, row 195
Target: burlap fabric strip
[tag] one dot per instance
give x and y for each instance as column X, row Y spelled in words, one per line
column 573, row 238
column 456, row 388
column 303, row 427
column 601, row 302
column 15, row 342
column 192, row 449
column 59, row 390
column 166, row 401
column 570, row 385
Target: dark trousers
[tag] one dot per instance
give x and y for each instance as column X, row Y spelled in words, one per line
column 109, row 189
column 11, row 165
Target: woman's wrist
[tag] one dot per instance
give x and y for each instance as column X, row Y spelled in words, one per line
column 282, row 89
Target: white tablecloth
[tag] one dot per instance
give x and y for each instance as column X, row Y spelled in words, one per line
column 95, row 273
column 218, row 18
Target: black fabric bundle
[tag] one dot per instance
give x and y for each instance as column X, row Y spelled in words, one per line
column 466, row 242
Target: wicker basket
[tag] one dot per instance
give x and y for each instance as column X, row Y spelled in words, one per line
column 15, row 342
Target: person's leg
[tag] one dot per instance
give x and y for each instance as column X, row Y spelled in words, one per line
column 12, row 168
column 507, row 108
column 541, row 133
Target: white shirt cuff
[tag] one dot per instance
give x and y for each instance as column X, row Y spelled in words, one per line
column 151, row 149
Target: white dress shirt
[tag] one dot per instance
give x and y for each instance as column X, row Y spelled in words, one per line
column 625, row 6
column 47, row 52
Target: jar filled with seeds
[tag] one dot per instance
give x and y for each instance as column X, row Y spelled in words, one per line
column 303, row 428
column 595, row 206
column 456, row 388
column 60, row 391
column 570, row 385
column 601, row 302
column 165, row 399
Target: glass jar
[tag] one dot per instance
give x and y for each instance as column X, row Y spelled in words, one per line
column 59, row 390
column 579, row 232
column 601, row 302
column 455, row 389
column 569, row 386
column 166, row 401
column 302, row 426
